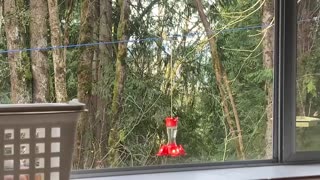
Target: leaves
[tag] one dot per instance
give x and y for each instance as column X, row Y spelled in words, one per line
column 311, row 88
column 261, row 76
column 196, row 99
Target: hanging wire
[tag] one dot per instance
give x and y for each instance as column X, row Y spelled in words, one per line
column 171, row 78
column 150, row 39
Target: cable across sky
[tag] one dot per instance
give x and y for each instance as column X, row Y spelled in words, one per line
column 191, row 34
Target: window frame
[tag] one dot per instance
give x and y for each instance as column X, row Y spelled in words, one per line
column 288, row 46
column 284, row 152
column 287, row 78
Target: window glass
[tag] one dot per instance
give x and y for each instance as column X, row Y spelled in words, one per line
column 136, row 63
column 308, row 84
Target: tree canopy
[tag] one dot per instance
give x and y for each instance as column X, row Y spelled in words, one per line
column 117, row 56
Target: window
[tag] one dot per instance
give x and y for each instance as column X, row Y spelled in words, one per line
column 240, row 75
column 224, row 102
column 307, row 77
column 301, row 119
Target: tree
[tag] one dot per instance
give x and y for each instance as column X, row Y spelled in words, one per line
column 267, row 19
column 18, row 60
column 82, row 154
column 59, row 62
column 105, row 74
column 222, row 81
column 119, row 82
column 306, row 40
column 39, row 58
column 126, row 86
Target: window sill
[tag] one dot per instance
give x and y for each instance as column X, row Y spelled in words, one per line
column 265, row 172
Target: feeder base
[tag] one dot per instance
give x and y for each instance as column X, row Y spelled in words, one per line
column 172, row 150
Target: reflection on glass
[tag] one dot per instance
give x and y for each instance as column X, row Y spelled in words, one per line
column 308, row 76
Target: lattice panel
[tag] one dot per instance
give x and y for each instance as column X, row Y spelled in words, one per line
column 30, row 153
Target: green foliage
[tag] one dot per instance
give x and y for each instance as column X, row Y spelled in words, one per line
column 4, row 81
column 203, row 130
column 311, row 87
column 261, row 76
column 308, row 84
column 72, row 67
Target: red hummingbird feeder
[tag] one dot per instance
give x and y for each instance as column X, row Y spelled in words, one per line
column 171, row 148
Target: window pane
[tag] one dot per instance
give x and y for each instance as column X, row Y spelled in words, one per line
column 308, row 84
column 137, row 64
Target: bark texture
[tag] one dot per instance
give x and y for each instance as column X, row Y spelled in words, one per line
column 116, row 107
column 105, row 74
column 305, row 43
column 82, row 155
column 267, row 18
column 18, row 61
column 59, row 61
column 39, row 58
column 222, row 82
column 306, row 31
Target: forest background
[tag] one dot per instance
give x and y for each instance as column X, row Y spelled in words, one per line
column 115, row 56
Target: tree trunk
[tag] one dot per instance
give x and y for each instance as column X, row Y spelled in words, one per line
column 306, row 12
column 82, row 155
column 222, row 81
column 267, row 17
column 105, row 76
column 59, row 63
column 235, row 113
column 1, row 22
column 69, row 6
column 119, row 82
column 305, row 42
column 39, row 58
column 18, row 61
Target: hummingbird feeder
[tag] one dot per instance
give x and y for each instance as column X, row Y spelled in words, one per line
column 171, row 148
